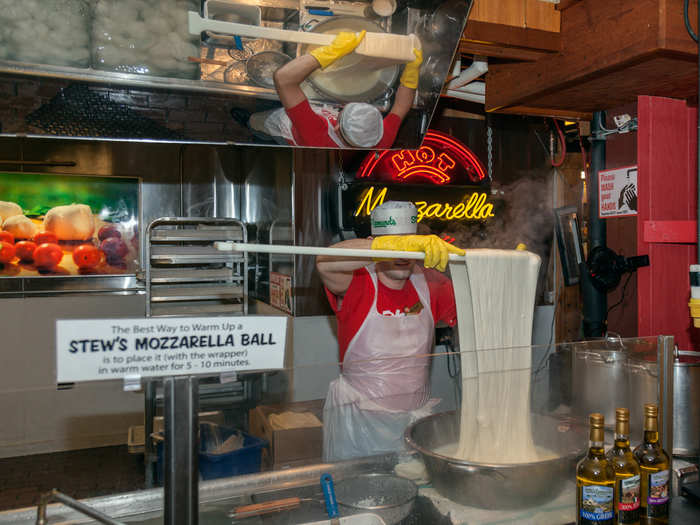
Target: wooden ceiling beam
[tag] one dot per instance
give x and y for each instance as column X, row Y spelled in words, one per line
column 605, row 45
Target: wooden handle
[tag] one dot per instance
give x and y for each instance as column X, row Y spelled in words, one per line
column 256, row 509
column 208, row 61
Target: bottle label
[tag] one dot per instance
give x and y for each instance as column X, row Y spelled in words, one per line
column 628, row 496
column 658, row 487
column 597, row 502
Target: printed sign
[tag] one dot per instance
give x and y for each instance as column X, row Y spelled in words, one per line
column 101, row 349
column 617, row 192
column 281, row 291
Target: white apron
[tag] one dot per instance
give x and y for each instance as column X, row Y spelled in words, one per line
column 384, row 384
column 276, row 123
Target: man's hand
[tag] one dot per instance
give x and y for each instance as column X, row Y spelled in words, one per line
column 345, row 43
column 411, row 72
column 437, row 251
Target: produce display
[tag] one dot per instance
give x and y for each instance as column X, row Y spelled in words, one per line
column 68, row 240
column 54, row 32
column 65, row 225
column 151, row 38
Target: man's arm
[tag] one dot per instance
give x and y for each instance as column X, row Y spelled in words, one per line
column 409, row 83
column 336, row 272
column 289, row 77
column 403, row 101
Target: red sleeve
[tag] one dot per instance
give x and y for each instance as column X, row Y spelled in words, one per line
column 392, row 123
column 353, row 308
column 442, row 297
column 309, row 128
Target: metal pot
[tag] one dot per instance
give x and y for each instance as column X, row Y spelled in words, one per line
column 606, row 379
column 686, row 404
column 599, row 382
column 358, row 83
column 497, row 486
column 389, row 497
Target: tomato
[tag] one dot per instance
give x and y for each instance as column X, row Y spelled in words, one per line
column 48, row 255
column 7, row 237
column 44, row 237
column 87, row 256
column 107, row 231
column 115, row 249
column 7, row 252
column 25, row 250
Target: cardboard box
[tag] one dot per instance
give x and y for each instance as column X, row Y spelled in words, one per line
column 288, row 447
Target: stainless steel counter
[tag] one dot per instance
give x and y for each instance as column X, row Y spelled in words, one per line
column 220, row 496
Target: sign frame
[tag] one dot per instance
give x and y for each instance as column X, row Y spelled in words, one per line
column 109, row 349
column 618, row 183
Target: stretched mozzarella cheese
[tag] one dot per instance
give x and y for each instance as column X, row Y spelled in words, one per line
column 9, row 209
column 20, row 226
column 74, row 222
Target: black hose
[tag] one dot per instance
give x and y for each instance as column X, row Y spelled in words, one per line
column 687, row 21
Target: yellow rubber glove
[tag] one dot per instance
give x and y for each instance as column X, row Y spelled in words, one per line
column 436, row 250
column 411, row 72
column 345, row 42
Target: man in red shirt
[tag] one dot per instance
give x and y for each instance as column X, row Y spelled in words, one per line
column 386, row 313
column 358, row 125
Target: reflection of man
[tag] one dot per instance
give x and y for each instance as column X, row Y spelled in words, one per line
column 358, row 125
column 386, row 318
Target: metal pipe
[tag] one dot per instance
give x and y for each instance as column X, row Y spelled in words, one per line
column 595, row 302
column 181, row 451
column 474, row 71
column 55, row 495
column 471, row 97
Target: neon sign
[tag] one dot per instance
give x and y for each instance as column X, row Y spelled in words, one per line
column 441, row 160
column 472, row 207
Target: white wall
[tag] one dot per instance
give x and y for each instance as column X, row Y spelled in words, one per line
column 38, row 418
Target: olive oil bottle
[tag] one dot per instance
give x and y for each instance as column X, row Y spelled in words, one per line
column 595, row 480
column 627, row 479
column 654, row 467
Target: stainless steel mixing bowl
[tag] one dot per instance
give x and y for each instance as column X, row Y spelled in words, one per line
column 498, row 486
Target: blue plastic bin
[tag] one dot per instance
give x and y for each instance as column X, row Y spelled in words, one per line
column 245, row 460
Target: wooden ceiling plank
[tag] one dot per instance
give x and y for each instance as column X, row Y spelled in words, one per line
column 501, row 34
column 597, row 39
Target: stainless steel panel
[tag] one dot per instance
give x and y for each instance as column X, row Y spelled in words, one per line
column 314, row 181
column 686, row 406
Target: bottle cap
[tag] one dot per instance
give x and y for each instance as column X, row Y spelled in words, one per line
column 622, row 414
column 651, row 410
column 597, row 420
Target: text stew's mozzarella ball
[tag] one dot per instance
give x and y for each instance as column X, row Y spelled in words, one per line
column 74, row 222
column 20, row 226
column 8, row 209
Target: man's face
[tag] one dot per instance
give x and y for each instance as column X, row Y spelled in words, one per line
column 396, row 269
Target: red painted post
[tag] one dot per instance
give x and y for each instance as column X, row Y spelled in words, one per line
column 667, row 191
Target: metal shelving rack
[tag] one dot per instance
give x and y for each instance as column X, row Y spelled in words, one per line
column 185, row 275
